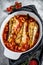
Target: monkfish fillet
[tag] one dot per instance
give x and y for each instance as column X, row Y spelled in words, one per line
column 19, row 36
column 15, row 24
column 32, row 29
column 12, row 27
column 24, row 35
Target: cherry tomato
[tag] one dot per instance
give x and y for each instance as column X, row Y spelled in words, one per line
column 18, row 6
column 33, row 62
column 9, row 9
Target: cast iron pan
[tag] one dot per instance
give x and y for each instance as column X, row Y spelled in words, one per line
column 30, row 8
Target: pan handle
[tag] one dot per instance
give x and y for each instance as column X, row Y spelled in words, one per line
column 11, row 55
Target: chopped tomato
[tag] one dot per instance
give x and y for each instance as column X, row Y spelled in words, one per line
column 18, row 29
column 20, row 24
column 19, row 48
column 23, row 49
column 13, row 43
column 26, row 46
column 16, row 48
column 22, row 19
column 14, row 36
column 8, row 44
column 5, row 36
column 6, row 29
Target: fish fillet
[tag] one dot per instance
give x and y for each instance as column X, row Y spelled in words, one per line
column 32, row 29
column 12, row 28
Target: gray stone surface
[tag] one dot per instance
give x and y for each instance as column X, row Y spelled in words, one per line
column 3, row 15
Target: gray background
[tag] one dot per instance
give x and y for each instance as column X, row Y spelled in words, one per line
column 3, row 5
